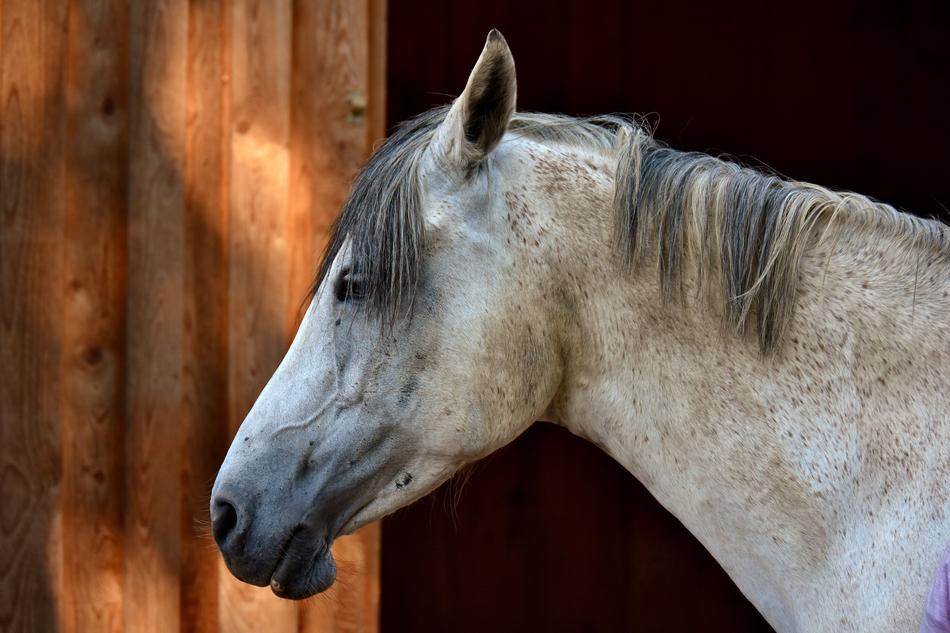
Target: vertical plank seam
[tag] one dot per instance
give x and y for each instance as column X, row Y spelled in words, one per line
column 66, row 596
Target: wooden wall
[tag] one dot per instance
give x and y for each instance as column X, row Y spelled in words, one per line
column 168, row 173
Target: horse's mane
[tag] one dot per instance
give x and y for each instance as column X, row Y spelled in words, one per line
column 744, row 229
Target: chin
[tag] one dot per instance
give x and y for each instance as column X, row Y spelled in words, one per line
column 298, row 577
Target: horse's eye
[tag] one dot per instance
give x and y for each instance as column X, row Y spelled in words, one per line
column 349, row 287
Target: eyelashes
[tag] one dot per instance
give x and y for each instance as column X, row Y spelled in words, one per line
column 349, row 287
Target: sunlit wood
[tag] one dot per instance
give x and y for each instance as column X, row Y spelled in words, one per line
column 169, row 171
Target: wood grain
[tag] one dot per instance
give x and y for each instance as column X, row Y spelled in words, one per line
column 94, row 315
column 303, row 221
column 32, row 134
column 377, row 43
column 169, row 170
column 158, row 74
column 259, row 263
column 205, row 328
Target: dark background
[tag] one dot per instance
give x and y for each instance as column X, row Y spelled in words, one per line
column 550, row 534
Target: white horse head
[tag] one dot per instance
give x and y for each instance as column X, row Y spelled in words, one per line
column 422, row 349
column 770, row 358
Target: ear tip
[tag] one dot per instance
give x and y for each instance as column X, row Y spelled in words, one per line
column 495, row 37
column 496, row 48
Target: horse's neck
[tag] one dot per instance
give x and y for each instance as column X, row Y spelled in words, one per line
column 866, row 353
column 784, row 466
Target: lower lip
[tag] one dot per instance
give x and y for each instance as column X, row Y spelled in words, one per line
column 278, row 583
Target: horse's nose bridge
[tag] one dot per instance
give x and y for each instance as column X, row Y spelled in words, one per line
column 265, row 470
column 239, row 491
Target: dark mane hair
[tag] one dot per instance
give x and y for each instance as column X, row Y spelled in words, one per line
column 672, row 208
column 382, row 219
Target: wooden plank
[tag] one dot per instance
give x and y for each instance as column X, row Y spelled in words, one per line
column 94, row 315
column 378, row 42
column 158, row 74
column 304, row 226
column 258, row 299
column 127, row 356
column 31, row 223
column 205, row 308
column 338, row 111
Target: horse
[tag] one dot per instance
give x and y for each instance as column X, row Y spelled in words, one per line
column 770, row 358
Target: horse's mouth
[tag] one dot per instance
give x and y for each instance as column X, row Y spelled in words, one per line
column 305, row 567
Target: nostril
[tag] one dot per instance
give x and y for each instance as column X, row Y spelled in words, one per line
column 224, row 518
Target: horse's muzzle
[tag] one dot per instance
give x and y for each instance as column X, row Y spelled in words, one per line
column 295, row 561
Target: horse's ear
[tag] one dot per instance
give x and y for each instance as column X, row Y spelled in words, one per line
column 479, row 117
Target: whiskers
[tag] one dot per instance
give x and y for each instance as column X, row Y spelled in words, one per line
column 452, row 494
column 351, row 579
column 202, row 531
